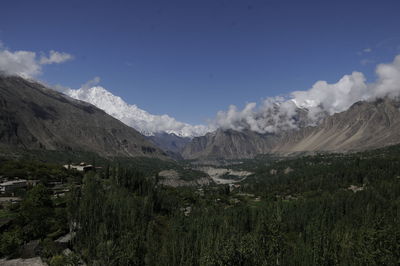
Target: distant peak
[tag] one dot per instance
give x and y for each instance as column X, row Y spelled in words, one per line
column 146, row 123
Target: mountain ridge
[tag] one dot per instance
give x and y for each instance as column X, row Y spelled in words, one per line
column 36, row 117
column 365, row 125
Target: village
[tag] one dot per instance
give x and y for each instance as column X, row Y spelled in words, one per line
column 13, row 189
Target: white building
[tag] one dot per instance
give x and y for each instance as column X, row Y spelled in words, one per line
column 12, row 185
column 81, row 167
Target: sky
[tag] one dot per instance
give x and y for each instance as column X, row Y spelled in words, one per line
column 190, row 59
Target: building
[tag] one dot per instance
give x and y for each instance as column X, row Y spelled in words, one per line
column 4, row 201
column 12, row 185
column 82, row 167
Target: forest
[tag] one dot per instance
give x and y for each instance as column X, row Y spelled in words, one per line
column 324, row 209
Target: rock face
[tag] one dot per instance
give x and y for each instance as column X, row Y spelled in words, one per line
column 229, row 144
column 35, row 117
column 365, row 125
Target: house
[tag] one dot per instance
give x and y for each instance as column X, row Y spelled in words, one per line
column 82, row 167
column 4, row 201
column 12, row 185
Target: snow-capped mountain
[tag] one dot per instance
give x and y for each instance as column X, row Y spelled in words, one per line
column 146, row 123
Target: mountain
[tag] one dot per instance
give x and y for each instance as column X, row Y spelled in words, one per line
column 365, row 125
column 229, row 144
column 146, row 123
column 170, row 143
column 36, row 117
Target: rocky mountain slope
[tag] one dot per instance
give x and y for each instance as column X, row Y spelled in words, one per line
column 170, row 143
column 229, row 144
column 35, row 117
column 364, row 125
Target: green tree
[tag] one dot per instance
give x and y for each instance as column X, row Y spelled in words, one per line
column 36, row 212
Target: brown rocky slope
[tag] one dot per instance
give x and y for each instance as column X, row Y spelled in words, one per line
column 33, row 116
column 365, row 125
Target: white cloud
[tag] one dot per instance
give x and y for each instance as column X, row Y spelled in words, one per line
column 91, row 83
column 21, row 63
column 55, row 57
column 388, row 83
column 26, row 63
column 273, row 115
column 322, row 98
column 335, row 97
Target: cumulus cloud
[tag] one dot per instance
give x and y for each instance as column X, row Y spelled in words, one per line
column 388, row 83
column 333, row 98
column 21, row 63
column 274, row 114
column 55, row 57
column 26, row 63
column 310, row 106
column 132, row 115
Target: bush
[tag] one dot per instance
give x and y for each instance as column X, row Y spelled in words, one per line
column 58, row 260
column 10, row 242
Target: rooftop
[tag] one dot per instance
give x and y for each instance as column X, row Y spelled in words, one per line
column 12, row 182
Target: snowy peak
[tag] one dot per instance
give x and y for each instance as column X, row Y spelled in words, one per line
column 146, row 123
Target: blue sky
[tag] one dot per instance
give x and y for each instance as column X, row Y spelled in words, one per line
column 190, row 59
